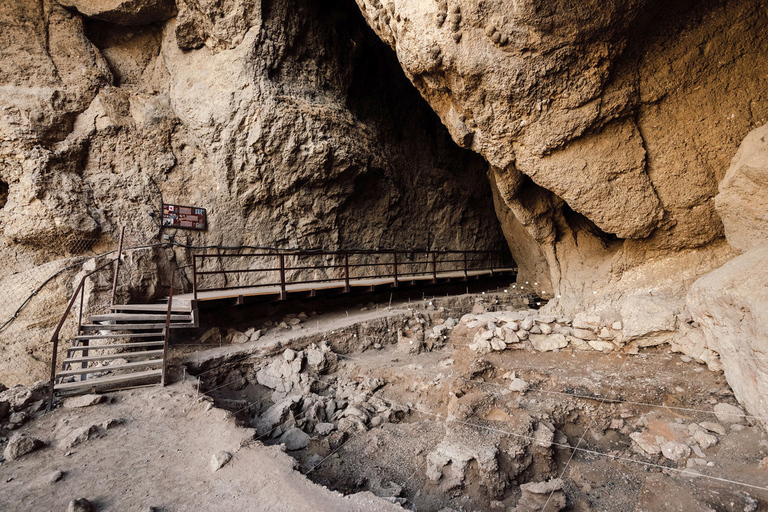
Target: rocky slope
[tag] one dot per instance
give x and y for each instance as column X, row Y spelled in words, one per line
column 290, row 122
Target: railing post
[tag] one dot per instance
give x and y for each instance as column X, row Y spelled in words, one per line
column 194, row 276
column 434, row 267
column 167, row 337
column 346, row 273
column 84, row 364
column 283, row 295
column 53, row 369
column 117, row 266
column 466, row 274
column 394, row 254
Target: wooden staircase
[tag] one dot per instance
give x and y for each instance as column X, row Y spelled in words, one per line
column 130, row 343
column 124, row 348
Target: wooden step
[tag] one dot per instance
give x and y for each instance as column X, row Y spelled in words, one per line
column 118, row 336
column 110, row 381
column 152, row 307
column 124, row 355
column 96, row 369
column 116, row 345
column 136, row 317
column 122, row 327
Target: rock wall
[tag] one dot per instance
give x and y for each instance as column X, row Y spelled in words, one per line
column 289, row 121
column 608, row 126
column 731, row 303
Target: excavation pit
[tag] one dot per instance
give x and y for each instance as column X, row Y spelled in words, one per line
column 444, row 426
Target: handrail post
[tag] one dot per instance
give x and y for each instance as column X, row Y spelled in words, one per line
column 55, row 341
column 283, row 294
column 394, row 255
column 466, row 274
column 434, row 267
column 194, row 276
column 346, row 273
column 117, row 266
column 167, row 333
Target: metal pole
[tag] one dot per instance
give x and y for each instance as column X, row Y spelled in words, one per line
column 167, row 333
column 194, row 276
column 434, row 267
column 346, row 273
column 395, row 260
column 282, row 277
column 466, row 275
column 117, row 266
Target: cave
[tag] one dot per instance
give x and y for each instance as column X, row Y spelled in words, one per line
column 607, row 163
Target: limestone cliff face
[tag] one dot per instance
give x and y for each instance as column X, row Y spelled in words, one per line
column 608, row 125
column 290, row 121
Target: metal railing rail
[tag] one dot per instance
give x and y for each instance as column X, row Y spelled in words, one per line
column 55, row 336
column 399, row 265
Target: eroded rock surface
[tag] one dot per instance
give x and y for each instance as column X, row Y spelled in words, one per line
column 606, row 125
column 293, row 126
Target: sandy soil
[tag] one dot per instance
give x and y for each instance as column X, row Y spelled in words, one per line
column 160, row 457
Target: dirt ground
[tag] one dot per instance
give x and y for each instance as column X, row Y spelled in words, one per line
column 159, row 457
column 460, row 432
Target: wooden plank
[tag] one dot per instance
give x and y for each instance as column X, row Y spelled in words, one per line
column 96, row 369
column 119, row 336
column 116, row 345
column 152, row 307
column 124, row 355
column 136, row 317
column 110, row 381
column 122, row 327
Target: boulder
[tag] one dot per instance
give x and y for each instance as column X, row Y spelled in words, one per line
column 84, row 401
column 276, row 414
column 124, row 12
column 705, row 440
column 79, row 435
column 649, row 319
column 602, row 346
column 20, row 445
column 742, row 201
column 54, row 476
column 219, row 459
column 647, row 442
column 544, row 343
column 538, row 495
column 675, row 451
column 729, row 414
column 731, row 307
column 497, row 344
column 80, row 505
column 583, row 334
column 294, row 439
column 586, row 321
column 324, row 429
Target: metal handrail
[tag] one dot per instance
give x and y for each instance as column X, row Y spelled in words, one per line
column 55, row 336
column 167, row 333
column 431, row 266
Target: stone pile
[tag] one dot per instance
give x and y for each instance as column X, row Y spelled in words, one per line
column 683, row 443
column 20, row 404
column 306, row 404
column 497, row 331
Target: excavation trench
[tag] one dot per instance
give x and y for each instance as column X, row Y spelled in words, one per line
column 403, row 407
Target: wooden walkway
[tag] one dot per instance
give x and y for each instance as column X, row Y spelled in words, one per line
column 338, row 286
